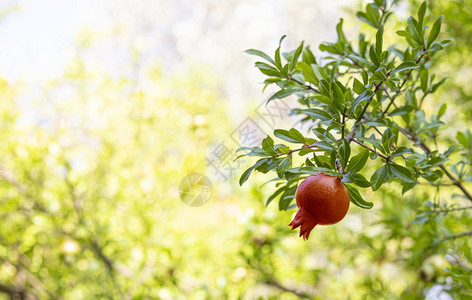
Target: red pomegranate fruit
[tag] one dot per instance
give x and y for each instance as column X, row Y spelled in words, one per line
column 321, row 199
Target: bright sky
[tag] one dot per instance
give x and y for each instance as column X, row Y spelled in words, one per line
column 39, row 39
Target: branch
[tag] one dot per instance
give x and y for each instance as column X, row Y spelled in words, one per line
column 308, row 86
column 399, row 91
column 451, row 209
column 372, row 150
column 12, row 291
column 299, row 149
column 417, row 140
column 351, row 134
column 277, row 284
column 99, row 252
column 355, row 62
column 456, row 236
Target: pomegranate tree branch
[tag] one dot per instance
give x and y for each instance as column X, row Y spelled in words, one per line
column 12, row 291
column 372, row 150
column 456, row 236
column 299, row 149
column 308, row 86
column 399, row 91
column 351, row 134
column 417, row 140
column 277, row 284
column 438, row 211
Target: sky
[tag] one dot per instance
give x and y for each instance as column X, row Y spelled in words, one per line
column 38, row 38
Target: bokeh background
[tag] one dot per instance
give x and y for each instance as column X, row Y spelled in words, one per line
column 106, row 106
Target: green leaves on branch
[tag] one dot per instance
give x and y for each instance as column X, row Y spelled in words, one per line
column 357, row 199
column 416, row 29
column 360, row 93
column 358, row 161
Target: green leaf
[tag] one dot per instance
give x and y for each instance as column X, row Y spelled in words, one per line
column 268, row 145
column 324, row 135
column 285, row 135
column 442, row 110
column 357, row 162
column 296, row 56
column 358, row 179
column 379, row 40
column 287, row 197
column 317, row 114
column 323, row 99
column 373, row 14
column 402, row 151
column 376, row 143
column 413, row 30
column 408, row 65
column 282, row 94
column 387, row 139
column 357, row 199
column 421, row 14
column 284, row 165
column 319, row 72
column 339, row 31
column 278, row 61
column 316, row 170
column 267, row 69
column 366, row 95
column 338, row 96
column 295, row 134
column 268, row 165
column 358, row 87
column 245, row 175
column 436, row 85
column 465, row 138
column 433, row 35
column 260, row 54
column 376, row 122
column 424, row 80
column 402, row 110
column 379, row 177
column 275, row 194
column 402, row 173
column 324, row 145
column 344, row 152
column 254, row 151
column 307, row 72
column 363, row 17
column 308, row 56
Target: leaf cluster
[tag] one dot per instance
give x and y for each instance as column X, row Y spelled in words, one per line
column 363, row 101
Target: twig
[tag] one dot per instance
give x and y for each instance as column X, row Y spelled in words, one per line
column 422, row 99
column 352, row 133
column 99, row 252
column 355, row 62
column 343, row 123
column 308, row 86
column 439, row 211
column 13, row 291
column 399, row 91
column 299, row 149
column 372, row 150
column 427, row 151
column 338, row 166
column 456, row 236
column 277, row 284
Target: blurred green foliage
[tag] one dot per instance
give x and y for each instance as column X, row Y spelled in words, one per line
column 89, row 206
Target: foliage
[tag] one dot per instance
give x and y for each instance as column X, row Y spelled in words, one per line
column 365, row 106
column 90, row 164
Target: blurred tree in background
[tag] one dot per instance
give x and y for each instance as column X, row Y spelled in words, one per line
column 89, row 171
